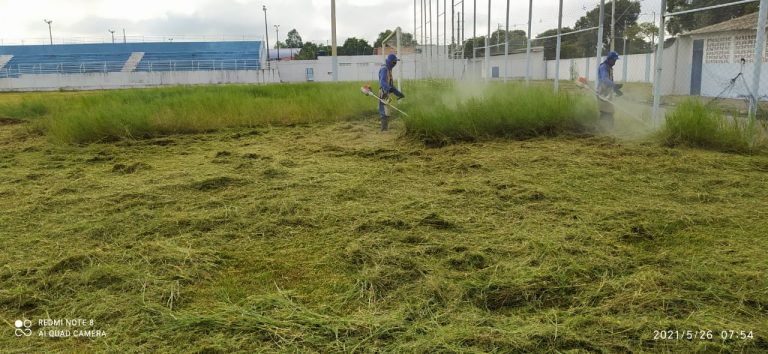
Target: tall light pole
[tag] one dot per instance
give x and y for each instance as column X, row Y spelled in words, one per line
column 113, row 35
column 266, row 30
column 125, row 40
column 334, row 51
column 277, row 34
column 50, row 34
column 613, row 25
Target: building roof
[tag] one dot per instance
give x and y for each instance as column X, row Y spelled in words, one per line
column 743, row 23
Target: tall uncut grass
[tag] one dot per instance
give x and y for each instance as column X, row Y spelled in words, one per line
column 139, row 113
column 694, row 124
column 479, row 111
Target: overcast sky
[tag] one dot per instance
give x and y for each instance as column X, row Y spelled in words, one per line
column 91, row 19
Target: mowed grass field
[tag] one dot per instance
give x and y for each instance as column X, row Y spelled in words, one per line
column 333, row 237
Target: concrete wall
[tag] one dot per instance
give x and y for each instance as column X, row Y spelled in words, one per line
column 101, row 81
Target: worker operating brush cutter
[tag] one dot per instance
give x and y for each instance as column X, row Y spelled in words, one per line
column 606, row 89
column 386, row 90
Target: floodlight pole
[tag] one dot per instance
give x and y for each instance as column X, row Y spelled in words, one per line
column 277, row 34
column 759, row 50
column 50, row 34
column 528, row 49
column 111, row 31
column 334, row 51
column 659, row 58
column 266, row 31
column 559, row 43
column 600, row 32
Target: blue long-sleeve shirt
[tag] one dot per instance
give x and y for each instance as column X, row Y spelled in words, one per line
column 605, row 77
column 386, row 82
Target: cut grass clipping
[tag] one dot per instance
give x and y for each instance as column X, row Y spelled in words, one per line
column 695, row 124
column 486, row 111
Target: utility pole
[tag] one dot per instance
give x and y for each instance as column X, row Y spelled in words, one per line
column 50, row 34
column 111, row 31
column 277, row 34
column 266, row 31
column 506, row 46
column 125, row 40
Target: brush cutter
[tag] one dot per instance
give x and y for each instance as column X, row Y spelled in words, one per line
column 366, row 90
column 582, row 83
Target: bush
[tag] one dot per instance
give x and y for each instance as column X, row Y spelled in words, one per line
column 695, row 124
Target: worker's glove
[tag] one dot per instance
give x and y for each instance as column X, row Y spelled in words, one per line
column 618, row 86
column 400, row 95
column 618, row 92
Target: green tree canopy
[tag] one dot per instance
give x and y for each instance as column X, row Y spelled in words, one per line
column 355, row 46
column 692, row 21
column 308, row 52
column 294, row 39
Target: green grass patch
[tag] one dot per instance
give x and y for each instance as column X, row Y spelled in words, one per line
column 446, row 112
column 146, row 113
column 335, row 238
column 695, row 124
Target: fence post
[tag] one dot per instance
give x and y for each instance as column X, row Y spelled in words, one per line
column 759, row 50
column 559, row 43
column 600, row 32
column 658, row 64
column 528, row 50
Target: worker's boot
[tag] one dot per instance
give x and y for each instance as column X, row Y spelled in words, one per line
column 384, row 124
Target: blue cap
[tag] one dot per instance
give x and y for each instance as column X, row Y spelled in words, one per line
column 613, row 55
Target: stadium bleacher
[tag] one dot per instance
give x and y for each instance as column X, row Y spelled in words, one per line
column 143, row 57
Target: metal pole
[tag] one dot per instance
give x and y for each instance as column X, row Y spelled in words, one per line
column 266, row 31
column 474, row 30
column 506, row 47
column 445, row 29
column 430, row 30
column 277, row 35
column 624, row 53
column 437, row 38
column 113, row 35
column 488, row 46
column 613, row 24
column 659, row 57
column 453, row 30
column 50, row 33
column 559, row 43
column 334, row 51
column 125, row 40
column 759, row 50
column 399, row 53
column 462, row 28
column 600, row 32
column 528, row 50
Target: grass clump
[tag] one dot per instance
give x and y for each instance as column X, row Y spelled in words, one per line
column 694, row 124
column 488, row 111
column 145, row 113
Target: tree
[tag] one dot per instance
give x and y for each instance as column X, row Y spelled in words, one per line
column 627, row 13
column 406, row 40
column 294, row 39
column 355, row 46
column 308, row 52
column 696, row 20
column 569, row 46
